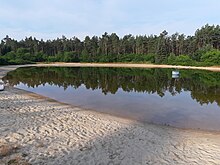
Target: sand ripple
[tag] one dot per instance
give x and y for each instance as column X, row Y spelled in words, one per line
column 48, row 132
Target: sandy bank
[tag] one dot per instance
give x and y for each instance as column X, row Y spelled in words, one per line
column 51, row 133
column 5, row 69
column 127, row 65
column 47, row 132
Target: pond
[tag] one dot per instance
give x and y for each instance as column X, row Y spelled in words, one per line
column 146, row 95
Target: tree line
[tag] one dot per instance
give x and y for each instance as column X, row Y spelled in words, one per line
column 203, row 48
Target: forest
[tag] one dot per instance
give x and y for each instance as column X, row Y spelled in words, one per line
column 201, row 49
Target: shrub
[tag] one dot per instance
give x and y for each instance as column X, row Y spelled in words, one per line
column 211, row 57
column 70, row 57
column 3, row 61
column 180, row 60
column 51, row 59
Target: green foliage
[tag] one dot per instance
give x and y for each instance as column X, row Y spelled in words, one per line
column 70, row 57
column 138, row 58
column 197, row 55
column 184, row 60
column 211, row 57
column 180, row 60
column 159, row 49
column 3, row 61
column 24, row 54
column 171, row 59
column 52, row 59
column 20, row 57
column 10, row 55
column 40, row 57
column 85, row 56
column 19, row 61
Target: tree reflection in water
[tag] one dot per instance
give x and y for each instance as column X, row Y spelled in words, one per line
column 203, row 85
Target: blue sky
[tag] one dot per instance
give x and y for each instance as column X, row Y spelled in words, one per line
column 50, row 19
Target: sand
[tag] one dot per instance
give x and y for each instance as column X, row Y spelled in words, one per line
column 37, row 130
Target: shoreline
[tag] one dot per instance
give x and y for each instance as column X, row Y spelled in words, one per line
column 50, row 132
column 6, row 69
column 111, row 116
column 128, row 65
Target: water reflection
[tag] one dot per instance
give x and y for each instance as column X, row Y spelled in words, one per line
column 149, row 95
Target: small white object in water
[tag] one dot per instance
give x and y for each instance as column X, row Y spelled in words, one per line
column 175, row 74
column 1, row 85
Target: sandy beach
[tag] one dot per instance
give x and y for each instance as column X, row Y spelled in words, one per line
column 38, row 130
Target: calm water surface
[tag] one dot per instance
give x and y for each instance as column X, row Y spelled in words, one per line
column 147, row 95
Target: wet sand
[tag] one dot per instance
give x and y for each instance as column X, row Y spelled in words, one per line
column 48, row 132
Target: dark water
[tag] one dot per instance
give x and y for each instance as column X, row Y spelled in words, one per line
column 147, row 95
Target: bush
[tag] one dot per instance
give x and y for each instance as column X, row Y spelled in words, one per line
column 51, row 59
column 197, row 55
column 40, row 57
column 3, row 61
column 19, row 62
column 171, row 59
column 24, row 54
column 150, row 57
column 70, row 57
column 135, row 58
column 10, row 55
column 211, row 57
column 180, row 60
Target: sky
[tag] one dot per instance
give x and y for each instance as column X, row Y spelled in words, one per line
column 49, row 19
